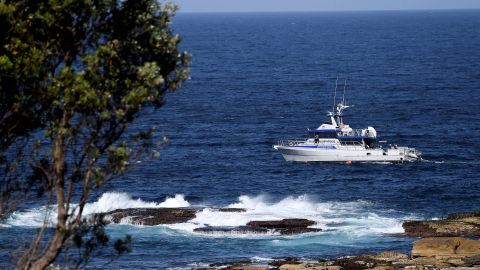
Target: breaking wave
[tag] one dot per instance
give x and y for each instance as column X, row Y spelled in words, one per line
column 355, row 217
column 109, row 201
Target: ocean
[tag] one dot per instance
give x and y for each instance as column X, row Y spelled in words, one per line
column 260, row 77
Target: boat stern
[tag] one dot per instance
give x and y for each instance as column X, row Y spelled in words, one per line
column 413, row 154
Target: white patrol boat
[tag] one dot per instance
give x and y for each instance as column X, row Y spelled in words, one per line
column 338, row 142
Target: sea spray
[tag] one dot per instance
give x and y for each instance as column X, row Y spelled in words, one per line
column 356, row 218
column 109, row 201
column 115, row 200
column 350, row 217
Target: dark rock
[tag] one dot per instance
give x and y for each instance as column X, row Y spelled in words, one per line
column 281, row 224
column 286, row 226
column 148, row 216
column 356, row 263
column 472, row 260
column 464, row 215
column 289, row 231
column 465, row 224
column 442, row 228
column 419, row 229
column 239, row 210
column 288, row 260
column 229, row 229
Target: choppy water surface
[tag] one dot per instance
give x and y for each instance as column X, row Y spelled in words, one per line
column 257, row 78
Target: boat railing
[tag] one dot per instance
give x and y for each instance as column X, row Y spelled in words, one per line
column 352, row 146
column 296, row 142
column 291, row 142
column 351, row 143
column 356, row 132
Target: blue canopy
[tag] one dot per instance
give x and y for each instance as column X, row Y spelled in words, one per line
column 323, row 130
column 354, row 137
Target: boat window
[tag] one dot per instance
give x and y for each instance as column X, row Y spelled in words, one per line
column 322, row 135
column 350, row 140
column 328, row 135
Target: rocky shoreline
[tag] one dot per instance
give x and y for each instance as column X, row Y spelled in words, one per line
column 389, row 260
column 427, row 254
column 451, row 243
column 465, row 224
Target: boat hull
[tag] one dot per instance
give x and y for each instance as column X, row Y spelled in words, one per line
column 360, row 154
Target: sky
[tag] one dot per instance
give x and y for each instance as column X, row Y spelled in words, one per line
column 319, row 5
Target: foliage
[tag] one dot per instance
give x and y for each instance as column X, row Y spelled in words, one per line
column 81, row 71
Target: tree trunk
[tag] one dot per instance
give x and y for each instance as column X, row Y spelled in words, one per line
column 52, row 252
column 61, row 232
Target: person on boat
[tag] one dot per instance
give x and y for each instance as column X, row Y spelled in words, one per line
column 317, row 138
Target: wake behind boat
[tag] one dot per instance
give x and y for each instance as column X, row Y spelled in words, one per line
column 336, row 141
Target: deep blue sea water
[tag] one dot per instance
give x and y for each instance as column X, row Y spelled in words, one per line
column 260, row 77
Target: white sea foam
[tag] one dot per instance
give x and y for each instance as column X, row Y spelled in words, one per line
column 31, row 217
column 107, row 202
column 351, row 217
column 114, row 200
column 261, row 259
column 190, row 266
column 345, row 217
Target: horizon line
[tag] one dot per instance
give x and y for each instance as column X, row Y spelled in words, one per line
column 330, row 10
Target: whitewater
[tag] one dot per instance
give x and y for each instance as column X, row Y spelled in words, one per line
column 347, row 217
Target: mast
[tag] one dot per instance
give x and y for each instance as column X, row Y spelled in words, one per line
column 332, row 114
column 335, row 96
column 342, row 105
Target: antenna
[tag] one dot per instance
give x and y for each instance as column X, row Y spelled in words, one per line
column 344, row 87
column 335, row 96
